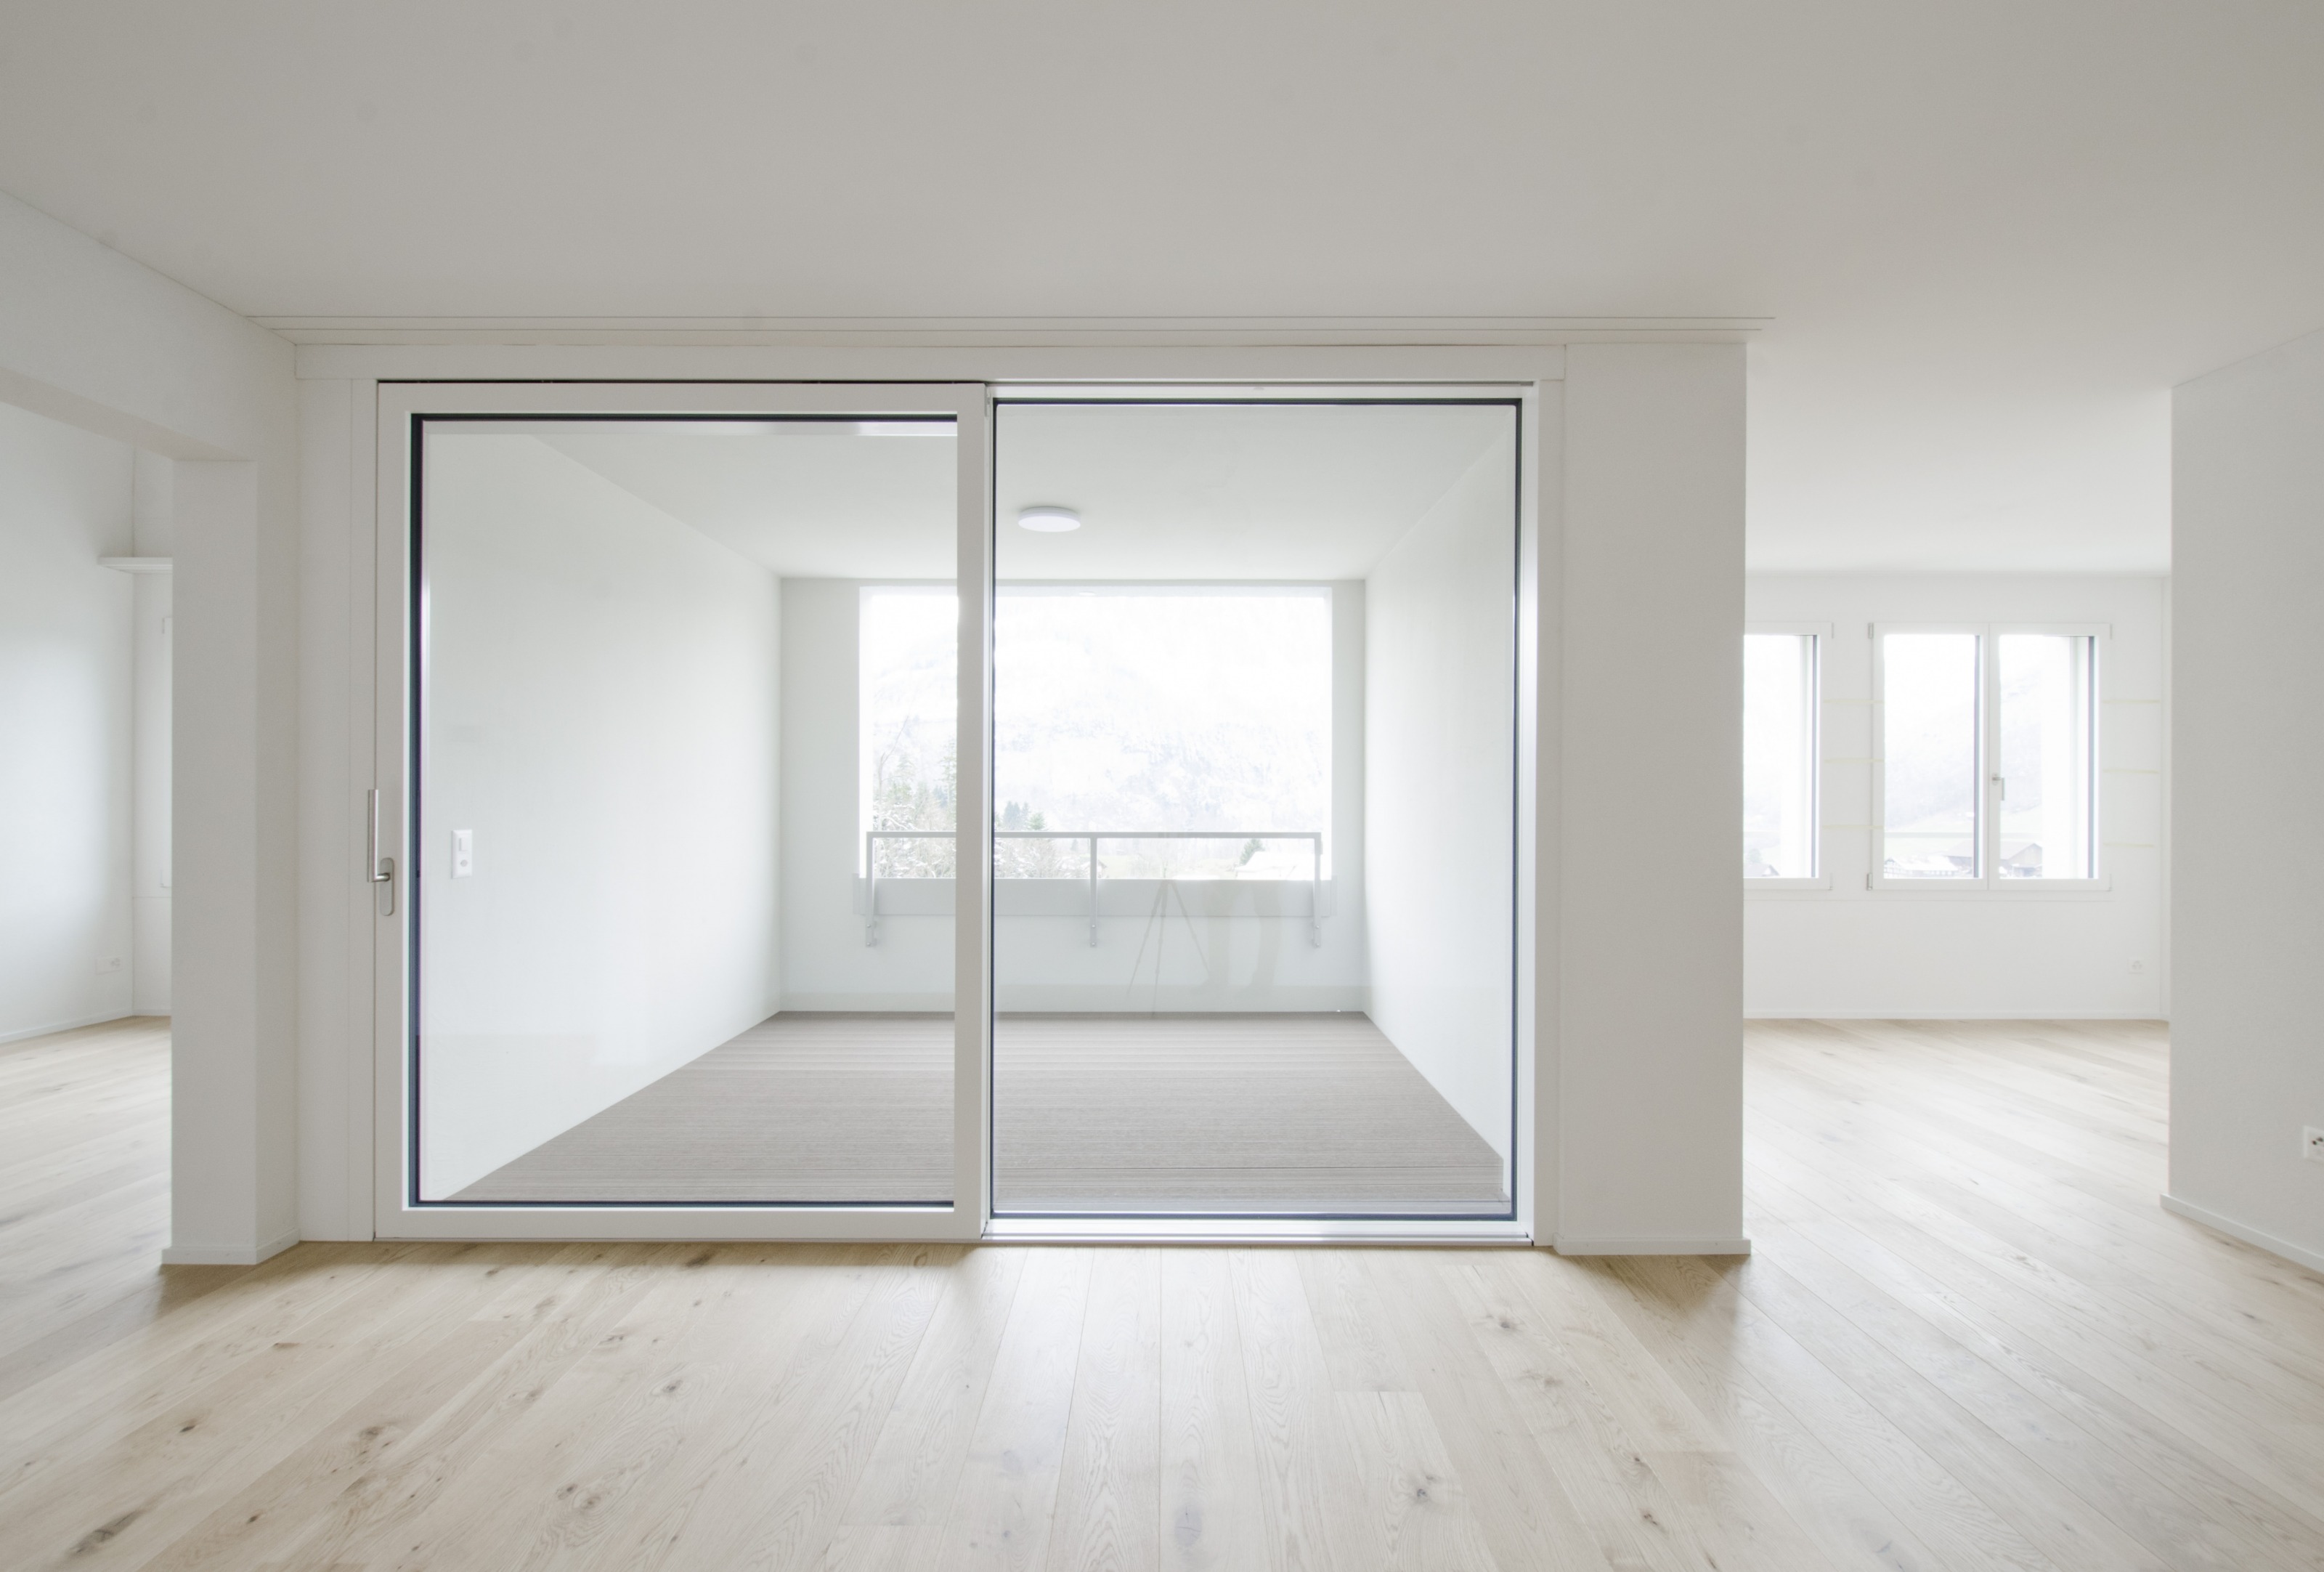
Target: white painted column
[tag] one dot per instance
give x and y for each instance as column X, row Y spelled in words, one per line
column 150, row 877
column 1648, row 1058
column 336, row 439
column 233, row 935
column 2246, row 754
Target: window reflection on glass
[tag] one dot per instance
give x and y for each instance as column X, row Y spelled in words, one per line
column 1779, row 764
column 2044, row 765
column 1929, row 742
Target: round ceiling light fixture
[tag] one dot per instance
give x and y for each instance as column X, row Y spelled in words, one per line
column 1045, row 519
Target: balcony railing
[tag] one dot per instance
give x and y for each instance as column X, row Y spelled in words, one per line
column 1314, row 838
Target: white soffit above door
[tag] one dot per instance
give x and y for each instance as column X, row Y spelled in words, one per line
column 1989, row 236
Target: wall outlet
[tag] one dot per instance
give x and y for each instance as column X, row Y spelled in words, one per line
column 464, row 852
column 108, row 965
column 2311, row 1144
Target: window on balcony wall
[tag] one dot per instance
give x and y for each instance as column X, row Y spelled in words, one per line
column 1987, row 747
column 1197, row 716
column 907, row 675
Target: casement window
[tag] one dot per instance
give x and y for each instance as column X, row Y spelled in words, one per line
column 1781, row 704
column 1986, row 757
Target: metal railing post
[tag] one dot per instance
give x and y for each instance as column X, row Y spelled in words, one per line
column 1092, row 840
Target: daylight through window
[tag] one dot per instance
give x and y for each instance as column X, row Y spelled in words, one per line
column 2043, row 775
column 1133, row 710
column 1779, row 755
column 1930, row 713
column 1989, row 743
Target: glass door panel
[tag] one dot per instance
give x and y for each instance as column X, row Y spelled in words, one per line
column 685, row 767
column 1253, row 770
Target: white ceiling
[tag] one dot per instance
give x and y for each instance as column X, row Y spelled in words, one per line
column 1264, row 492
column 1989, row 235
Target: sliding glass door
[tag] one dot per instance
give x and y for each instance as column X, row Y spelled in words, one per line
column 1253, row 714
column 682, row 803
column 853, row 811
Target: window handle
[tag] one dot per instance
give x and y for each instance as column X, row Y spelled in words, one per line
column 2003, row 782
column 378, row 870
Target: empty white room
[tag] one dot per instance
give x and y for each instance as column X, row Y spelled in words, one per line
column 1215, row 788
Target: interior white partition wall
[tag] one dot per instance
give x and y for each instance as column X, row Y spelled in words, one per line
column 232, row 1082
column 1649, row 993
column 2247, row 754
column 67, row 727
column 90, row 337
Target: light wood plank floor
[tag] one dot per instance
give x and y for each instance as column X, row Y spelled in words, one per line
column 1276, row 1113
column 1969, row 1339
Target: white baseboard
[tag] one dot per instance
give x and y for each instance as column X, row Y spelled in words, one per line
column 1952, row 1015
column 21, row 1032
column 227, row 1255
column 1639, row 1244
column 2313, row 1260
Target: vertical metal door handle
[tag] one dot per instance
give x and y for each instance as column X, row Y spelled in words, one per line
column 378, row 870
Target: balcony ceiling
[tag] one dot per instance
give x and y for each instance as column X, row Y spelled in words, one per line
column 1296, row 492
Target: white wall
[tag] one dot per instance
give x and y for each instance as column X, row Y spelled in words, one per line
column 90, row 337
column 1246, row 947
column 1438, row 687
column 2248, row 783
column 602, row 717
column 826, row 965
column 150, row 703
column 66, row 738
column 2012, row 953
column 1645, row 1049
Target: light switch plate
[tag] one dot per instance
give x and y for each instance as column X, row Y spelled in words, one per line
column 464, row 852
column 2311, row 1144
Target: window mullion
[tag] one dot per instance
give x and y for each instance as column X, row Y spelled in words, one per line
column 1989, row 760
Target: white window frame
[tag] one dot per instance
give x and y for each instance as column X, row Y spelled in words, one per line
column 1988, row 884
column 1819, row 637
column 379, row 1156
